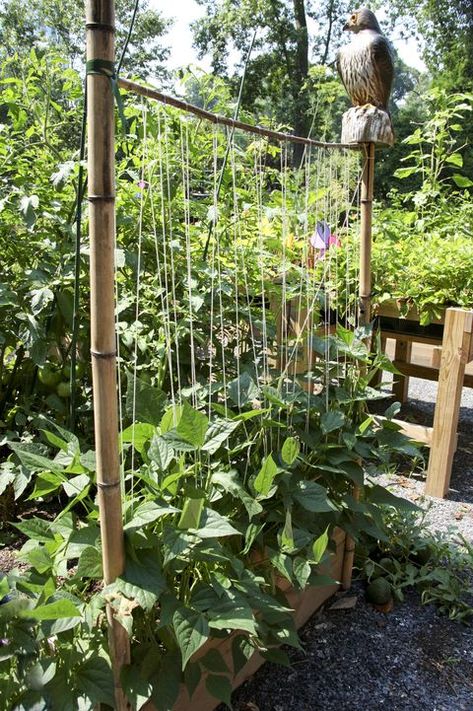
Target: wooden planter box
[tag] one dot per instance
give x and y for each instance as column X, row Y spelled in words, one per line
column 304, row 604
column 392, row 309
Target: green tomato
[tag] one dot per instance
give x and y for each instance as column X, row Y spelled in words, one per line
column 80, row 370
column 49, row 377
column 64, row 389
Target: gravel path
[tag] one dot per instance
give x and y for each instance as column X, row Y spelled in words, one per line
column 362, row 660
column 359, row 659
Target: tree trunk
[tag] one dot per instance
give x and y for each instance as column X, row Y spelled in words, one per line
column 329, row 33
column 301, row 71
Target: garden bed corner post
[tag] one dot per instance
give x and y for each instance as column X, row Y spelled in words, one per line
column 100, row 27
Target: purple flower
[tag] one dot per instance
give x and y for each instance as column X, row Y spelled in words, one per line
column 323, row 239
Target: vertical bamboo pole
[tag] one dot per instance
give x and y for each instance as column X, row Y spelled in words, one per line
column 366, row 221
column 100, row 23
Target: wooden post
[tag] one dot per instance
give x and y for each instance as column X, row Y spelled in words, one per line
column 366, row 220
column 100, row 22
column 402, row 354
column 456, row 349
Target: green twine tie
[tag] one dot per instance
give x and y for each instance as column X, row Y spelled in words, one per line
column 103, row 67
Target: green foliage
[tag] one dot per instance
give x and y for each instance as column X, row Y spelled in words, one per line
column 430, row 259
column 424, row 262
column 436, row 154
column 422, row 254
column 427, row 232
column 235, row 488
column 59, row 25
column 447, row 31
column 208, row 538
column 277, row 81
column 436, row 564
column 39, row 103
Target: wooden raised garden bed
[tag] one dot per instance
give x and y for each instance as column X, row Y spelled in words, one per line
column 304, row 604
column 451, row 338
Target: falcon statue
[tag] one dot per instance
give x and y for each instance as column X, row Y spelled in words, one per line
column 366, row 65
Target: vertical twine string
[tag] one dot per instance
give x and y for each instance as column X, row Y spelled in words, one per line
column 223, row 338
column 170, row 244
column 236, row 235
column 161, row 263
column 144, row 110
column 261, row 252
column 213, row 271
column 328, row 169
column 305, row 280
column 185, row 168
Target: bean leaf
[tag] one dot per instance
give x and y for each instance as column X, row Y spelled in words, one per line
column 191, row 630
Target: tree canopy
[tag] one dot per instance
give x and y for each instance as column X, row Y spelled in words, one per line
column 60, row 23
column 278, row 73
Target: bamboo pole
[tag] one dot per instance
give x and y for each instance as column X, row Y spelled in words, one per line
column 100, row 23
column 140, row 90
column 366, row 221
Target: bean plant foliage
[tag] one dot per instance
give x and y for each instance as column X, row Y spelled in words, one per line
column 218, row 512
column 233, row 483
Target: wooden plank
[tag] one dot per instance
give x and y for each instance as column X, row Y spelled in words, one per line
column 427, row 373
column 391, row 310
column 422, row 354
column 401, row 382
column 414, row 338
column 455, row 352
column 418, row 433
column 436, row 357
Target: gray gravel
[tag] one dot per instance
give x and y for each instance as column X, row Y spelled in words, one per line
column 362, row 660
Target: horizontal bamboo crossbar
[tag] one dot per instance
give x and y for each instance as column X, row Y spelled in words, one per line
column 135, row 88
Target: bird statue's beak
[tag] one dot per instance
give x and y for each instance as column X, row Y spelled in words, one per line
column 346, row 26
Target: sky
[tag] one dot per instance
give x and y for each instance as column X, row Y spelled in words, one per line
column 180, row 36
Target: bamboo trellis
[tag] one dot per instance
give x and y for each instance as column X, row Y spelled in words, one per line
column 100, row 26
